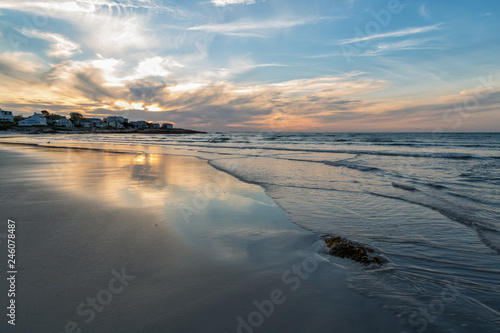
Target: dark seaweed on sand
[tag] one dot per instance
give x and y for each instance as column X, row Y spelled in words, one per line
column 344, row 248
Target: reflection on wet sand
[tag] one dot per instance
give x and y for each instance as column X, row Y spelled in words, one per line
column 199, row 243
column 130, row 179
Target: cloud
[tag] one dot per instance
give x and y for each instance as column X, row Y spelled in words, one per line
column 108, row 27
column 145, row 91
column 19, row 73
column 79, row 81
column 142, row 55
column 222, row 3
column 67, row 84
column 157, row 66
column 46, row 6
column 116, row 35
column 424, row 11
column 236, row 66
column 52, row 7
column 211, row 102
column 247, row 28
column 219, row 104
column 25, row 62
column 399, row 33
column 341, row 102
column 409, row 44
column 61, row 46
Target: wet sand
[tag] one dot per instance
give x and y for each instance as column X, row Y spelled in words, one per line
column 133, row 242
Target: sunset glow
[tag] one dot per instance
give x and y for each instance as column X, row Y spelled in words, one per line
column 254, row 65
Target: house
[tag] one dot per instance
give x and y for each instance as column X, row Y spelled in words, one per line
column 84, row 123
column 139, row 124
column 96, row 122
column 167, row 126
column 116, row 124
column 155, row 125
column 35, row 120
column 6, row 116
column 90, row 122
column 64, row 122
column 116, row 119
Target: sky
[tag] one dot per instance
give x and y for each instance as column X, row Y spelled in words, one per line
column 257, row 65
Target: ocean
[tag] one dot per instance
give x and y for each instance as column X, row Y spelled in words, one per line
column 428, row 203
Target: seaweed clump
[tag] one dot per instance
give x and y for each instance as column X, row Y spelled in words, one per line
column 344, row 248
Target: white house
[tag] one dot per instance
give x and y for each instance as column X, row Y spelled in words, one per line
column 64, row 122
column 6, row 116
column 35, row 120
column 167, row 126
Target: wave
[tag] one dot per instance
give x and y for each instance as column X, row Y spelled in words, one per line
column 480, row 226
column 309, row 143
column 378, row 140
column 404, row 187
column 441, row 155
column 473, row 177
column 349, row 165
column 436, row 186
column 219, row 140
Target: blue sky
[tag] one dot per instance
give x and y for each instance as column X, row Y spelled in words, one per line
column 336, row 65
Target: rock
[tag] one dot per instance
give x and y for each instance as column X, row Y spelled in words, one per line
column 344, row 248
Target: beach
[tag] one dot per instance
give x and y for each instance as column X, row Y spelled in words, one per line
column 133, row 241
column 249, row 166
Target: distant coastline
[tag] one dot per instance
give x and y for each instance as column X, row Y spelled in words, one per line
column 47, row 123
column 50, row 130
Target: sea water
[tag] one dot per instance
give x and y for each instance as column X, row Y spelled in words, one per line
column 428, row 203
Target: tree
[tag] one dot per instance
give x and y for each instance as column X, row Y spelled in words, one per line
column 75, row 116
column 53, row 116
column 18, row 118
column 45, row 113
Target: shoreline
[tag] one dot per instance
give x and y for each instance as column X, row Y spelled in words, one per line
column 50, row 130
column 233, row 253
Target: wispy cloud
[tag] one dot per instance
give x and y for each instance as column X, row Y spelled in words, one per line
column 81, row 6
column 61, row 46
column 111, row 28
column 409, row 44
column 222, row 3
column 248, row 28
column 424, row 11
column 19, row 65
column 399, row 33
